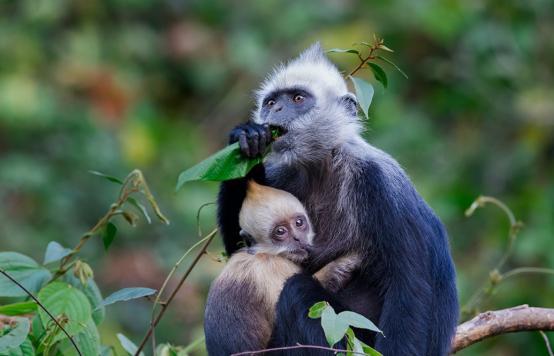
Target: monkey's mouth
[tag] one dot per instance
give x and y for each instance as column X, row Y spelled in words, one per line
column 277, row 131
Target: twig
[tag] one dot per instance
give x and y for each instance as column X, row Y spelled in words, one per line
column 43, row 308
column 492, row 323
column 174, row 292
column 170, row 274
column 133, row 183
column 521, row 270
column 494, row 275
column 298, row 346
column 547, row 343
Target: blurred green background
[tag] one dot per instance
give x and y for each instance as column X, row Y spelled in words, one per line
column 156, row 85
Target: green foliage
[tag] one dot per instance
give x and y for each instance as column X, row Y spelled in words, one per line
column 55, row 252
column 128, row 345
column 379, row 73
column 109, row 234
column 364, row 94
column 23, row 269
column 15, row 335
column 18, row 308
column 225, row 164
column 338, row 326
column 127, row 294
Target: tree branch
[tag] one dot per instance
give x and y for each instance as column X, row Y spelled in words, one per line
column 492, row 323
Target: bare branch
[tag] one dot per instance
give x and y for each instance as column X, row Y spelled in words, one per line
column 298, row 346
column 43, row 308
column 492, row 323
column 164, row 306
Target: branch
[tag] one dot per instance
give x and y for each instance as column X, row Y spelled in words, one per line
column 298, row 346
column 174, row 292
column 43, row 308
column 492, row 323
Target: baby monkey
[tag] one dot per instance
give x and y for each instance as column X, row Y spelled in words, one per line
column 240, row 309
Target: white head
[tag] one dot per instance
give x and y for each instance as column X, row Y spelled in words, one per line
column 308, row 100
column 276, row 221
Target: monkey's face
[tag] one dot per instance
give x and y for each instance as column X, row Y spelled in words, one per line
column 293, row 237
column 280, row 107
column 309, row 102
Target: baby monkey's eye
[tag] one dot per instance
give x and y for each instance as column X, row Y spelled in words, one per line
column 270, row 102
column 298, row 98
column 280, row 231
column 299, row 222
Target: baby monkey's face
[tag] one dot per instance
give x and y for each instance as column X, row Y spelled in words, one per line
column 293, row 236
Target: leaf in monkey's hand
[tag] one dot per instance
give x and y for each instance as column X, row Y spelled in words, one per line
column 226, row 164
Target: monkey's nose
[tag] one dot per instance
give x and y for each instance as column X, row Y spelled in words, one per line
column 278, row 108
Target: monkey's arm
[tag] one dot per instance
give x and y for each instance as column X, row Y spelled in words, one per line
column 253, row 139
column 336, row 274
column 292, row 324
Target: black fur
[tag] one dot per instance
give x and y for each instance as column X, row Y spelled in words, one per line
column 407, row 282
column 301, row 290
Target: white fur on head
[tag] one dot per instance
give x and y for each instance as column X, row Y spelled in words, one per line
column 312, row 69
column 264, row 206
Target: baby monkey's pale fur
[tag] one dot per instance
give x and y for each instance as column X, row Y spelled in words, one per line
column 244, row 296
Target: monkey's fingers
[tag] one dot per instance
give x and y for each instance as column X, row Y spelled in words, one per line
column 253, row 139
column 243, row 144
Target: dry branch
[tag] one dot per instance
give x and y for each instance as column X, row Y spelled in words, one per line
column 492, row 323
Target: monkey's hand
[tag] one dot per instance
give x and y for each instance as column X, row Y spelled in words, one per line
column 336, row 274
column 253, row 138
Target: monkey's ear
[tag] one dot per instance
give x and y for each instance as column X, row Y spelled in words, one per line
column 350, row 103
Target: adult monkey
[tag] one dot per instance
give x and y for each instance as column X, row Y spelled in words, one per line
column 359, row 199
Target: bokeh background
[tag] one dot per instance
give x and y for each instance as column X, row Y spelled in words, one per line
column 156, row 85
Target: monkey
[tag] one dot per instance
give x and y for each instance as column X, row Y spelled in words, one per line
column 240, row 309
column 360, row 199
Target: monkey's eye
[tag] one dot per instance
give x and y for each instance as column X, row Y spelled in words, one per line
column 298, row 98
column 299, row 222
column 270, row 102
column 280, row 232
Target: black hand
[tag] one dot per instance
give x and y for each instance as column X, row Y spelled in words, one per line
column 253, row 138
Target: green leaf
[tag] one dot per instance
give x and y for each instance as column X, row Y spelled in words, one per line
column 127, row 294
column 385, row 48
column 364, row 94
column 110, row 178
column 24, row 270
column 316, row 310
column 18, row 308
column 358, row 321
column 16, row 335
column 88, row 342
column 94, row 296
column 55, row 252
column 369, row 350
column 128, row 345
column 66, row 303
column 225, row 164
column 333, row 327
column 394, row 65
column 109, row 234
column 379, row 73
column 140, row 208
column 25, row 349
column 341, row 50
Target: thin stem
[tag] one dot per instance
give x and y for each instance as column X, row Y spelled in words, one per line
column 521, row 270
column 170, row 274
column 515, row 225
column 547, row 343
column 363, row 61
column 164, row 306
column 43, row 308
column 298, row 346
